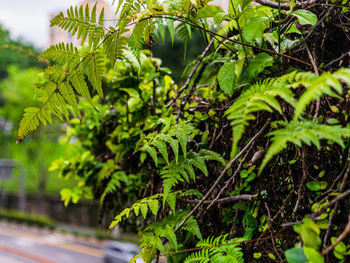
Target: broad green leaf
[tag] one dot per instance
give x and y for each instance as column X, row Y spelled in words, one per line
column 153, row 205
column 227, row 77
column 305, row 17
column 144, row 210
column 296, row 255
column 209, row 11
column 219, row 17
column 313, row 256
column 255, row 27
column 258, row 64
column 313, row 186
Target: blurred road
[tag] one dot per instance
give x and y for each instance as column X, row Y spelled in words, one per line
column 25, row 245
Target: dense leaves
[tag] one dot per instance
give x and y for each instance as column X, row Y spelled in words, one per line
column 192, row 161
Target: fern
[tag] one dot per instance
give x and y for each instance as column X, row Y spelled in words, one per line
column 178, row 134
column 259, row 97
column 113, row 184
column 53, row 103
column 82, row 24
column 303, row 131
column 201, row 256
column 77, row 79
column 184, row 32
column 94, row 68
column 184, row 170
column 327, row 84
column 142, row 205
column 218, row 249
column 165, row 228
column 63, row 53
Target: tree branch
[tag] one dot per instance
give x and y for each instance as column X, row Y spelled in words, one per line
column 228, row 166
column 222, row 200
column 272, row 4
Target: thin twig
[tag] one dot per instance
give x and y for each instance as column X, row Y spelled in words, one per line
column 228, row 166
column 339, row 239
column 314, row 65
column 331, row 203
column 222, row 200
column 337, row 59
column 301, row 185
column 272, row 4
column 271, row 236
column 199, row 61
column 342, row 188
column 231, row 180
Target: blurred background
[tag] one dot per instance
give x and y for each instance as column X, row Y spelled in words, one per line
column 29, row 192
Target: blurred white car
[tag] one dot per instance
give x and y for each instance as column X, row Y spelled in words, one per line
column 120, row 252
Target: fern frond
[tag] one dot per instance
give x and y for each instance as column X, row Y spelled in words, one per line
column 56, row 73
column 113, row 183
column 259, row 97
column 216, row 250
column 184, row 169
column 326, row 84
column 53, row 103
column 182, row 131
column 82, row 24
column 77, row 79
column 299, row 132
column 201, row 256
column 68, row 94
column 184, row 32
column 63, row 53
column 142, row 205
column 94, row 68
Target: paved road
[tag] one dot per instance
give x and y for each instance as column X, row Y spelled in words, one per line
column 21, row 245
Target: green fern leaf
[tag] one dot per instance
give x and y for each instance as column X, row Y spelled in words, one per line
column 201, row 256
column 63, row 53
column 113, row 184
column 299, row 132
column 144, row 209
column 52, row 103
column 77, row 80
column 68, row 94
column 182, row 132
column 76, row 23
column 154, row 205
column 94, row 66
column 174, row 144
column 162, row 148
column 191, row 225
column 142, row 205
column 258, row 97
column 327, row 84
column 151, row 152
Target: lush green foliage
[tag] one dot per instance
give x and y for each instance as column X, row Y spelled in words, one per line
column 155, row 150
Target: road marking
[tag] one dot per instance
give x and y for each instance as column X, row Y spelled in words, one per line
column 26, row 255
column 59, row 243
